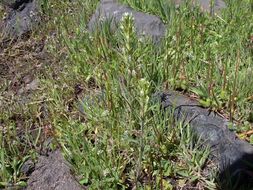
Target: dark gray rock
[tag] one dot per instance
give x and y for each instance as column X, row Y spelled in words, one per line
column 52, row 173
column 28, row 167
column 14, row 4
column 22, row 17
column 234, row 156
column 146, row 25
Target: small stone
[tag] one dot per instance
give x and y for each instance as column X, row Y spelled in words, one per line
column 33, row 85
column 28, row 167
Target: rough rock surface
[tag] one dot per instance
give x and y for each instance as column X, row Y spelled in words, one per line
column 146, row 25
column 52, row 173
column 27, row 168
column 14, row 4
column 205, row 5
column 232, row 154
column 22, row 17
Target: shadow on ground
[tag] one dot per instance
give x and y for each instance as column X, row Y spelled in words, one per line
column 239, row 175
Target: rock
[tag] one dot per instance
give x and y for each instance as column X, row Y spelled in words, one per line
column 205, row 5
column 28, row 167
column 230, row 153
column 90, row 100
column 7, row 2
column 14, row 4
column 22, row 17
column 52, row 173
column 146, row 25
column 31, row 86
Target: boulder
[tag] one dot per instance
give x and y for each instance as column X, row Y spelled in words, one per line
column 145, row 24
column 232, row 155
column 22, row 17
column 52, row 173
column 14, row 4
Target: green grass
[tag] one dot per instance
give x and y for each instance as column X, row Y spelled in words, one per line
column 121, row 139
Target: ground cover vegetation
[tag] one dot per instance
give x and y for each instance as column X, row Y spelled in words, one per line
column 95, row 99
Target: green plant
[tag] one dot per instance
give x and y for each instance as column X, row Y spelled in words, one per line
column 98, row 94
